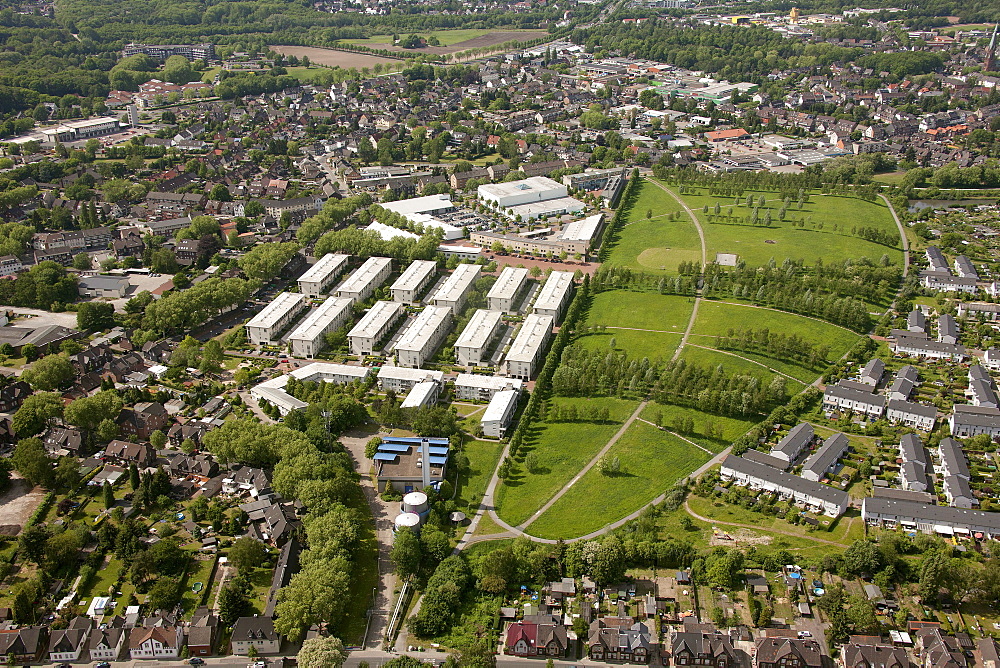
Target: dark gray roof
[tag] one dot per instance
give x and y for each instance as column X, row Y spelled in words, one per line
column 795, row 440
column 977, row 416
column 841, row 392
column 765, row 459
column 945, row 515
column 827, row 455
column 909, row 373
column 912, row 408
column 911, row 449
column 953, row 458
column 786, row 480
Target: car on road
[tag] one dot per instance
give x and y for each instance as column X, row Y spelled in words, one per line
column 103, row 664
column 805, row 634
column 196, row 660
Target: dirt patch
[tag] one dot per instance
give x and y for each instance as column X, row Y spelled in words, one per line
column 17, row 505
column 735, row 537
column 333, row 57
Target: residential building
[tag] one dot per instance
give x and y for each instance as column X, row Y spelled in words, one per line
column 947, row 329
column 952, row 459
column 826, row 458
column 455, row 290
column 372, row 329
column 554, row 297
column 793, row 444
column 124, row 453
column 918, row 416
column 410, row 463
column 505, row 293
column 419, row 342
column 155, row 642
column 402, row 379
column 695, row 647
column 620, row 639
column 930, row 518
column 968, row 421
column 142, row 420
column 844, row 397
column 411, row 283
column 916, row 321
column 498, row 414
column 475, row 341
column 362, row 283
column 266, row 326
column 937, row 650
column 536, row 639
column 477, row 387
column 201, row 633
column 580, row 236
column 958, row 492
column 423, row 394
column 788, row 652
column 525, row 354
column 916, row 464
column 257, row 631
column 872, row 373
column 826, row 500
column 27, row 644
column 926, row 348
column 322, row 274
column 106, row 644
column 308, row 339
column 107, row 287
column 67, row 644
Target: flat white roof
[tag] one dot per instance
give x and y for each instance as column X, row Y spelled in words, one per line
column 406, row 373
column 537, row 209
column 276, row 310
column 364, row 274
column 389, row 232
column 427, row 204
column 497, row 409
column 423, row 328
column 582, row 230
column 482, row 382
column 317, row 321
column 458, row 282
column 509, row 284
column 535, row 183
column 480, row 329
column 372, row 322
column 323, row 371
column 415, row 274
column 326, row 265
column 418, row 396
column 531, row 335
column 554, row 290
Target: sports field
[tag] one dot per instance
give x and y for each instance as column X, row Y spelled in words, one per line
column 651, row 462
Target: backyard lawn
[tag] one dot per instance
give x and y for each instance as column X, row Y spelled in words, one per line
column 651, row 460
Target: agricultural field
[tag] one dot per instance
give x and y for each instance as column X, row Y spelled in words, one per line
column 450, row 41
column 651, row 461
column 827, row 233
column 649, row 241
column 559, row 451
column 333, row 57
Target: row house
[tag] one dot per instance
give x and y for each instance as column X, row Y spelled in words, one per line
column 525, row 638
column 748, row 473
column 13, row 394
column 913, row 471
column 67, row 644
column 156, row 642
column 125, row 453
column 620, row 639
column 856, row 397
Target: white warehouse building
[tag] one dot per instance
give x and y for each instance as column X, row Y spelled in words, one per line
column 412, row 281
column 325, row 271
column 400, row 379
column 525, row 191
column 373, row 327
column 362, row 283
column 504, row 294
column 422, row 338
column 455, row 290
column 475, row 339
column 265, row 327
column 477, row 387
column 554, row 295
column 528, row 347
column 308, row 338
column 431, row 205
column 498, row 413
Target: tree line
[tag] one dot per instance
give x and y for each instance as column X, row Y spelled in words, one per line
column 775, row 344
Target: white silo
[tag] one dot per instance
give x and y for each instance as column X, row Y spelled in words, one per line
column 415, row 502
column 406, row 520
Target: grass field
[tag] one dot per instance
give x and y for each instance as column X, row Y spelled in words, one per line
column 445, row 37
column 732, row 428
column 656, row 244
column 715, row 319
column 636, row 344
column 562, row 449
column 667, row 315
column 652, row 462
column 714, row 358
column 306, row 74
column 483, row 457
column 833, row 243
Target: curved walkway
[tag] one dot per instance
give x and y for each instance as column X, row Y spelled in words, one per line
column 778, row 310
column 747, row 359
column 902, row 236
column 709, row 520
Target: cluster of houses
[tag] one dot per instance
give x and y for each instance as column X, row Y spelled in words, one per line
column 869, row 398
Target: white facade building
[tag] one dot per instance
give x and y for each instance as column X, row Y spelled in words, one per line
column 400, row 379
column 424, row 335
column 423, row 394
column 528, row 347
column 827, row 500
column 579, row 236
column 308, row 338
column 413, row 281
column 525, row 191
column 455, row 290
column 373, row 327
column 362, row 283
column 476, row 387
column 265, row 327
column 475, row 339
column 498, row 414
column 554, row 296
column 322, row 274
column 505, row 293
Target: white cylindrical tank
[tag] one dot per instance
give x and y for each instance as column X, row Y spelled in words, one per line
column 404, row 520
column 415, row 502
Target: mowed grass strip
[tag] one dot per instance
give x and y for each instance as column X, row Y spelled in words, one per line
column 757, row 245
column 562, row 449
column 731, row 428
column 637, row 344
column 653, row 243
column 641, row 310
column 652, row 461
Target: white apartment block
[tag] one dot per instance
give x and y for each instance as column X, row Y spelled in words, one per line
column 455, row 290
column 265, row 327
column 362, row 283
column 554, row 296
column 498, row 414
column 400, row 379
column 424, row 335
column 373, row 327
column 477, row 387
column 322, row 274
column 308, row 338
column 504, row 294
column 475, row 339
column 413, row 281
column 528, row 347
column 423, row 394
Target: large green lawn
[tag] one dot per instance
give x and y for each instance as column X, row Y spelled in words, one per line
column 833, row 242
column 562, row 449
column 651, row 460
column 641, row 310
column 637, row 344
column 714, row 358
column 732, row 428
column 483, row 458
column 650, row 242
column 717, row 318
